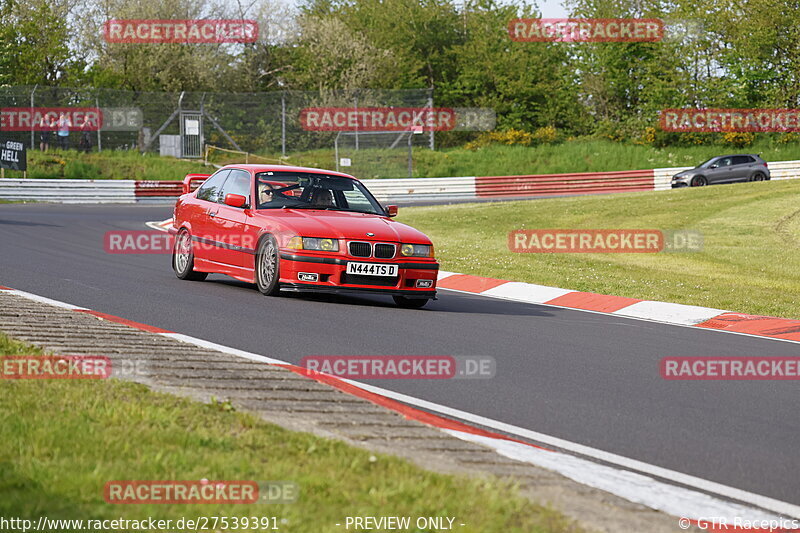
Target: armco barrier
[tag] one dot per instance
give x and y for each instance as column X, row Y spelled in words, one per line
column 564, row 184
column 662, row 177
column 68, row 191
column 158, row 189
column 387, row 191
column 784, row 170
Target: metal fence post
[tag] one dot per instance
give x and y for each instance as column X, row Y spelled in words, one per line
column 336, row 150
column 99, row 125
column 355, row 108
column 33, row 136
column 410, row 156
column 283, row 124
column 430, row 105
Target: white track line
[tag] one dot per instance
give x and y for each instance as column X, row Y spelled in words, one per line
column 671, row 499
column 42, row 299
column 764, row 502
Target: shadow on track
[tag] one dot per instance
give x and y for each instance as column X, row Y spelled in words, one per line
column 448, row 302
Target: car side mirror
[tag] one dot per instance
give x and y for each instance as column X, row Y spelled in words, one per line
column 714, row 166
column 391, row 210
column 235, row 200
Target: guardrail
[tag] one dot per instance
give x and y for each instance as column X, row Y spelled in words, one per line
column 564, row 184
column 387, row 191
column 68, row 191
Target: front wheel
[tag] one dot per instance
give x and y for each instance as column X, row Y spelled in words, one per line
column 268, row 267
column 410, row 303
column 183, row 258
column 699, row 181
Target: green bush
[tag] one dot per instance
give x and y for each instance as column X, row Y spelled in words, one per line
column 545, row 135
column 738, row 139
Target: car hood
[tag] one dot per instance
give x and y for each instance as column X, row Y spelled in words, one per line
column 686, row 173
column 344, row 225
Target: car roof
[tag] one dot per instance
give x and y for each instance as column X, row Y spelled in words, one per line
column 287, row 168
column 734, row 155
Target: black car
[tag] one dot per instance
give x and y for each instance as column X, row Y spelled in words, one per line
column 723, row 169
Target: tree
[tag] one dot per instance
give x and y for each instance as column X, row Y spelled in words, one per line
column 529, row 85
column 331, row 56
column 34, row 44
column 156, row 66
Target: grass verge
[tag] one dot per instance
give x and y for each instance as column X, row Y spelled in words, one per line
column 581, row 155
column 63, row 440
column 750, row 262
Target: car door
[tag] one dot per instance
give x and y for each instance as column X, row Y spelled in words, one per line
column 202, row 220
column 228, row 224
column 742, row 167
column 719, row 170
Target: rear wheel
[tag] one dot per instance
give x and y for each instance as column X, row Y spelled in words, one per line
column 268, row 266
column 699, row 181
column 183, row 258
column 759, row 176
column 410, row 303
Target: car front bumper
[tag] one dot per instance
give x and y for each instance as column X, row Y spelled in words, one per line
column 682, row 181
column 333, row 277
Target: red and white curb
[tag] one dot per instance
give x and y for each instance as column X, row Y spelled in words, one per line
column 655, row 487
column 782, row 329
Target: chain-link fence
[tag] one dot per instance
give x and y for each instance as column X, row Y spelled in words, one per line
column 181, row 124
column 375, row 154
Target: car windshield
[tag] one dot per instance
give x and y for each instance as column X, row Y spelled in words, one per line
column 305, row 190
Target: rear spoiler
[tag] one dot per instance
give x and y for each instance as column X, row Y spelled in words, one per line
column 192, row 181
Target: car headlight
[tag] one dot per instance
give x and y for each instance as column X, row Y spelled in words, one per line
column 313, row 243
column 416, row 250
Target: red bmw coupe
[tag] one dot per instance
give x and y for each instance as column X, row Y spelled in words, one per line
column 299, row 229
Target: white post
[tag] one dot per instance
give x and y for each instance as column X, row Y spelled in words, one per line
column 33, row 136
column 283, row 124
column 430, row 105
column 99, row 125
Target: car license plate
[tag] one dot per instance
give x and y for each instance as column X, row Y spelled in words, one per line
column 372, row 269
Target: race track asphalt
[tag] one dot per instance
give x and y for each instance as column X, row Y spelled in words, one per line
column 588, row 378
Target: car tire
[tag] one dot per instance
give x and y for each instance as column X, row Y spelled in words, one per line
column 759, row 176
column 699, row 181
column 267, row 267
column 183, row 258
column 409, row 303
